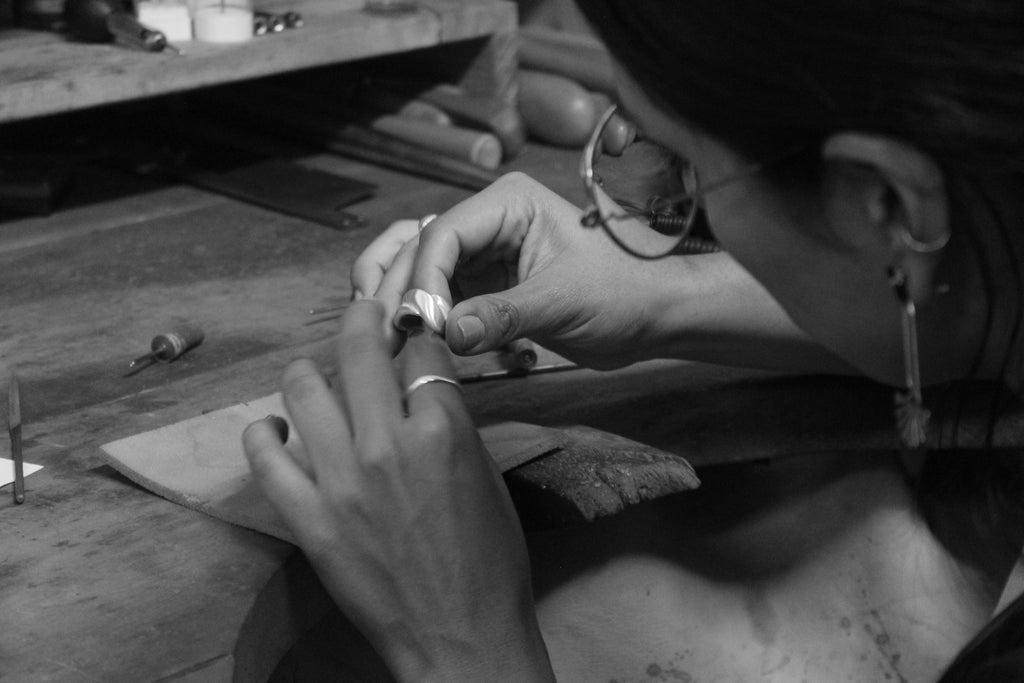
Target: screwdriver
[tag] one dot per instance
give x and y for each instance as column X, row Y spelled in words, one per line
column 98, row 21
column 167, row 346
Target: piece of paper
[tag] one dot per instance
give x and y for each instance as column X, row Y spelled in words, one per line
column 7, row 470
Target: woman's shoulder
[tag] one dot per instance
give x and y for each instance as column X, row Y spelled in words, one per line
column 810, row 568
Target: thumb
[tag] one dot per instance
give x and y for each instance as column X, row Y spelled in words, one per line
column 488, row 322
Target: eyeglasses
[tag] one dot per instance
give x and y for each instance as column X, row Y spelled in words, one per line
column 656, row 226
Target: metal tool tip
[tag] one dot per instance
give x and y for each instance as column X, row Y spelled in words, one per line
column 147, row 359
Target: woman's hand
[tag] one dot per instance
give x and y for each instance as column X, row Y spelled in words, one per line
column 402, row 512
column 525, row 267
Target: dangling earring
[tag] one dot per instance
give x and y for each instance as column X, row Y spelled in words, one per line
column 911, row 415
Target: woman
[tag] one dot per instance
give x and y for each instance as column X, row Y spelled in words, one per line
column 860, row 165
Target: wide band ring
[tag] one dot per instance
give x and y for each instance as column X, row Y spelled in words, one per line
column 425, row 221
column 420, row 308
column 427, row 379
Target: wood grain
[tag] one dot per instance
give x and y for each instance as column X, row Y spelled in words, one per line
column 99, row 578
column 46, row 74
column 102, row 580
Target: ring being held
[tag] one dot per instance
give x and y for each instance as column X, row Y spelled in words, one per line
column 425, row 221
column 420, row 308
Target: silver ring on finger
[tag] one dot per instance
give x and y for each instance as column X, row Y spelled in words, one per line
column 427, row 379
column 425, row 221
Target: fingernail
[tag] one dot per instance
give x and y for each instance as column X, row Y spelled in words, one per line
column 472, row 329
column 280, row 426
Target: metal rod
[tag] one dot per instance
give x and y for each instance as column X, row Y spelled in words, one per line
column 513, row 374
column 148, row 359
column 14, row 429
column 327, row 309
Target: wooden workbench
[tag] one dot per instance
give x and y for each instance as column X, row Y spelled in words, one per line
column 102, row 580
column 47, row 73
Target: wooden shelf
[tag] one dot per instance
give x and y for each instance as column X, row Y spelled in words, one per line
column 45, row 73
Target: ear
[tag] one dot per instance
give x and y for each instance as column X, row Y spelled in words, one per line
column 880, row 190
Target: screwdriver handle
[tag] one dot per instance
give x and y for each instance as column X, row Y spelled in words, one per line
column 168, row 346
column 127, row 31
column 519, row 355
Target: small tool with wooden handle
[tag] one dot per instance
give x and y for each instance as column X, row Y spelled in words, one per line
column 478, row 147
column 167, row 346
column 556, row 109
column 500, row 118
column 581, row 58
column 8, row 377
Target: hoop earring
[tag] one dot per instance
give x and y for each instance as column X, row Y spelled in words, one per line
column 911, row 415
column 920, row 247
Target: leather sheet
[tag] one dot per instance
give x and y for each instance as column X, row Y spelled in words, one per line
column 199, row 463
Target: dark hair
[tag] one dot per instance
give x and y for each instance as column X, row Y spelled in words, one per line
column 946, row 76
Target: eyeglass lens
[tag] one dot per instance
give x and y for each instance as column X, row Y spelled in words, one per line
column 646, row 198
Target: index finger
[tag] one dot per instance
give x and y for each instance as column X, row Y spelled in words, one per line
column 370, row 267
column 495, row 219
